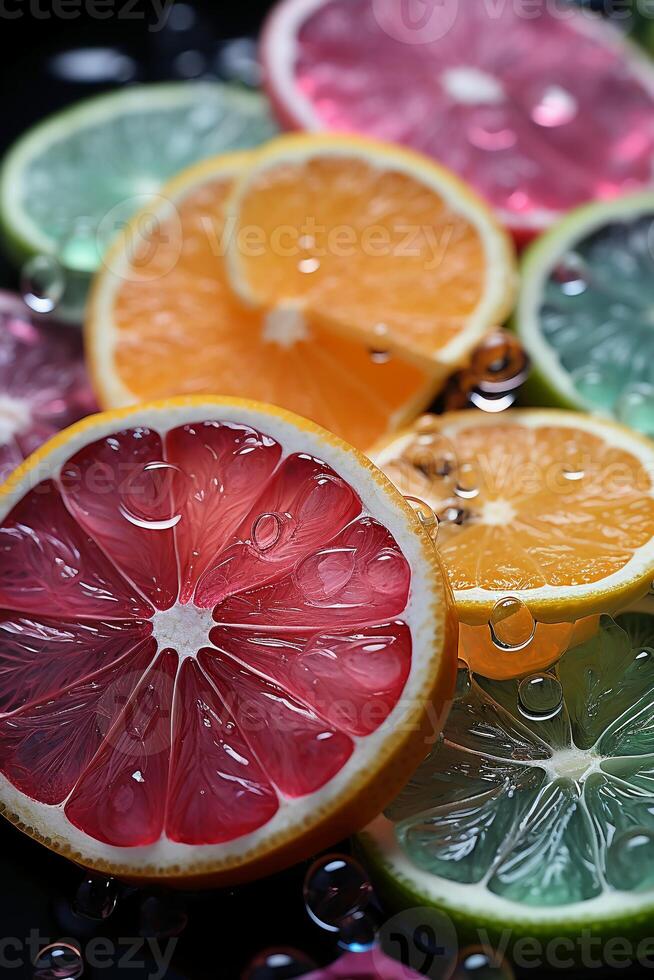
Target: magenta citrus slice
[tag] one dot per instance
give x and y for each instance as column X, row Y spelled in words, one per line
column 225, row 639
column 540, row 111
column 43, row 382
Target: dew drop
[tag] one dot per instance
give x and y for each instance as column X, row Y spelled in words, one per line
column 356, row 933
column 540, row 697
column 279, row 963
column 96, row 898
column 479, row 963
column 635, row 408
column 491, row 403
column 630, row 860
column 149, row 494
column 467, row 484
column 42, row 283
column 324, row 574
column 556, row 107
column 267, row 530
column 571, row 275
column 379, row 356
column 424, row 513
column 58, row 961
column 335, row 887
column 452, row 514
column 511, row 624
column 463, row 680
column 573, row 469
column 307, row 266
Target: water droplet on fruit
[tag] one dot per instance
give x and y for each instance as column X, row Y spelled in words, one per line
column 42, row 283
column 540, row 697
column 454, row 515
column 149, row 495
column 424, row 513
column 356, row 932
column 96, row 898
column 79, row 249
column 59, row 961
column 512, row 626
column 335, row 887
column 324, row 574
column 278, row 964
column 630, row 860
column 267, row 530
column 555, row 108
column 635, row 408
column 491, row 403
column 467, row 483
column 571, row 275
column 307, row 266
column 379, row 356
column 479, row 963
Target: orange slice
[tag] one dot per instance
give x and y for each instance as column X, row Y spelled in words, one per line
column 224, row 639
column 339, row 278
column 546, row 517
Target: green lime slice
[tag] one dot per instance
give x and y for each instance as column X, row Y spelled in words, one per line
column 71, row 182
column 534, row 812
column 586, row 312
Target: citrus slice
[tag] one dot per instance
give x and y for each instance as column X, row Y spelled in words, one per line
column 43, row 382
column 539, row 112
column 71, row 182
column 553, row 510
column 224, row 638
column 300, row 285
column 534, row 812
column 586, row 310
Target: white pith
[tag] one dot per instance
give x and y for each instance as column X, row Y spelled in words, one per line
column 94, row 112
column 612, row 434
column 541, row 260
column 294, row 815
column 279, row 50
column 184, row 627
column 15, row 417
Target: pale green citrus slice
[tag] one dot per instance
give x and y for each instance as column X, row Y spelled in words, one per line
column 586, row 312
column 71, row 182
column 537, row 816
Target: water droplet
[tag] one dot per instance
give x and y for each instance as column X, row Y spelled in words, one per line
column 96, row 898
column 238, row 61
column 149, row 495
column 479, row 963
column 512, row 626
column 432, row 454
column 463, row 680
column 379, row 356
column 356, row 932
column 452, row 514
column 573, row 468
column 335, row 887
column 267, row 530
column 323, row 575
column 79, row 250
column 424, row 513
column 59, row 961
column 630, row 860
column 278, row 964
column 162, row 918
column 540, row 697
column 307, row 266
column 635, row 408
column 42, row 283
column 556, row 107
column 491, row 403
column 467, row 483
column 571, row 275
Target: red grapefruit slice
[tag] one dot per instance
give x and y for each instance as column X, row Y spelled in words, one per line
column 43, row 382
column 539, row 110
column 248, row 637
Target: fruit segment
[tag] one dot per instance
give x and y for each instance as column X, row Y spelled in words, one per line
column 224, row 468
column 298, row 751
column 217, row 789
column 352, row 679
column 120, row 490
column 359, row 577
column 47, row 561
column 286, row 523
column 44, row 748
column 121, row 797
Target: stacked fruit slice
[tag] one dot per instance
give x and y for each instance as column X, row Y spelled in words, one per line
column 222, row 629
column 337, row 277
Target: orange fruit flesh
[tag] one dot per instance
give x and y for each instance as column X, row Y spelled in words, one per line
column 368, row 249
column 180, row 329
column 546, row 506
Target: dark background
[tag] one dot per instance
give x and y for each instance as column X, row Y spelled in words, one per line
column 223, row 929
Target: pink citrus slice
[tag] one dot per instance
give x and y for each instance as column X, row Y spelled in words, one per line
column 225, row 639
column 43, row 382
column 539, row 110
